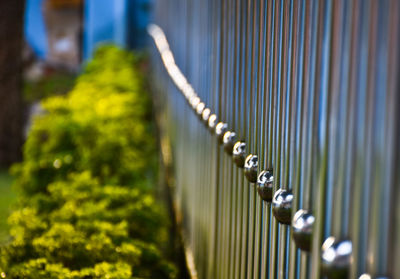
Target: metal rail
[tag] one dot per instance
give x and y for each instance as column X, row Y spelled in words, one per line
column 304, row 98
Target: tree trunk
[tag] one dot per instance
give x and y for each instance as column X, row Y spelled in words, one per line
column 11, row 108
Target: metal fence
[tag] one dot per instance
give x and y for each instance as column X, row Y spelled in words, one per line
column 309, row 93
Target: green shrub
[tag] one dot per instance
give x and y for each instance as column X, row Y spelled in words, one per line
column 103, row 125
column 86, row 205
column 41, row 268
column 55, row 83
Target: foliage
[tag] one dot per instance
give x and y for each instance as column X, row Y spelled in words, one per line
column 103, row 126
column 7, row 198
column 86, row 209
column 56, row 83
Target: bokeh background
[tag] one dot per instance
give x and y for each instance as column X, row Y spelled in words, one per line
column 79, row 160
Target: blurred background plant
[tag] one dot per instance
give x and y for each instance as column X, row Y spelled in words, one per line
column 83, row 203
column 43, row 46
column 7, row 198
column 57, row 83
column 86, row 203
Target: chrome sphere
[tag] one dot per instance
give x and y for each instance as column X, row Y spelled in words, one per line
column 199, row 109
column 282, row 206
column 189, row 93
column 194, row 101
column 239, row 153
column 336, row 257
column 212, row 122
column 302, row 225
column 206, row 115
column 251, row 167
column 229, row 141
column 220, row 130
column 265, row 185
column 367, row 276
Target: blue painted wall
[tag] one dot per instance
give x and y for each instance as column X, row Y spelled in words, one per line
column 35, row 31
column 122, row 22
column 104, row 21
column 139, row 17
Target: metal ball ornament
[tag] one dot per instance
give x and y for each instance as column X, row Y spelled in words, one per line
column 199, row 109
column 212, row 122
column 302, row 226
column 282, row 206
column 367, row 276
column 220, row 130
column 239, row 153
column 251, row 167
column 206, row 115
column 229, row 141
column 194, row 101
column 336, row 257
column 265, row 185
column 189, row 93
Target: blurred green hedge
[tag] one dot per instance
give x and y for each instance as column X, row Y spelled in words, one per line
column 86, row 207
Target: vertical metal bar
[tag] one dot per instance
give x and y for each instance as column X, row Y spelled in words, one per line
column 278, row 136
column 294, row 105
column 224, row 186
column 214, row 159
column 286, row 130
column 298, row 267
column 252, row 129
column 229, row 165
column 300, row 194
column 218, row 227
column 317, row 157
column 252, row 12
column 393, row 114
column 379, row 240
column 268, row 237
column 245, row 184
column 234, row 170
column 362, row 166
column 259, row 124
column 240, row 129
column 274, row 224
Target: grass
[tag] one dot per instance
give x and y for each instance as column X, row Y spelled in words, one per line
column 7, row 198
